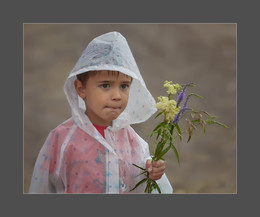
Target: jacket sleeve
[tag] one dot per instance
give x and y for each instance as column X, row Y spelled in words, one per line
column 44, row 178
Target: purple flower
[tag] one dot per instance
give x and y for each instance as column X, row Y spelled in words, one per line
column 180, row 97
column 184, row 107
column 182, row 111
column 177, row 118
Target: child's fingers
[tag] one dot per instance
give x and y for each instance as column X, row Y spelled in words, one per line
column 158, row 169
column 155, row 169
column 148, row 165
column 159, row 163
column 156, row 175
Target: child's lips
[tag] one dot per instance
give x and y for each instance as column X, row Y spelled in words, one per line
column 113, row 107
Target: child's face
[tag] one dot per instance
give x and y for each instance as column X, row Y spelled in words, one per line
column 106, row 96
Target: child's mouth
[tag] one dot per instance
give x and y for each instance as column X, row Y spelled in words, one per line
column 113, row 107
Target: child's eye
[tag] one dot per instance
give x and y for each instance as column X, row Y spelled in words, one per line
column 125, row 86
column 105, row 86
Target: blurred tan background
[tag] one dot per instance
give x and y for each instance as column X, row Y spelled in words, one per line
column 200, row 53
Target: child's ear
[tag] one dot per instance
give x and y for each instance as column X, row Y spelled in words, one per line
column 79, row 88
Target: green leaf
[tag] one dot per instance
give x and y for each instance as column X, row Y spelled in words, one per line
column 159, row 126
column 161, row 158
column 209, row 121
column 179, row 131
column 157, row 187
column 159, row 147
column 176, row 152
column 197, row 95
column 164, row 152
column 139, row 183
column 190, row 132
column 151, row 134
column 189, row 137
column 148, row 186
column 171, row 129
column 139, row 167
column 196, row 120
column 142, row 173
column 159, row 133
column 169, row 136
column 158, row 115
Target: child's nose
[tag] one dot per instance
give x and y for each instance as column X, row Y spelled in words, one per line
column 116, row 94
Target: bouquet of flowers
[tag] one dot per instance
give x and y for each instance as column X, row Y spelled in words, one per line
column 169, row 129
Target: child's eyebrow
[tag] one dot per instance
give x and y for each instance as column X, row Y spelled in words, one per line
column 112, row 81
column 105, row 81
column 126, row 82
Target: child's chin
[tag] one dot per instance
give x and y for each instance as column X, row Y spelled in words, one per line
column 112, row 118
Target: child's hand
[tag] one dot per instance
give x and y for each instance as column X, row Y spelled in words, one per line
column 156, row 169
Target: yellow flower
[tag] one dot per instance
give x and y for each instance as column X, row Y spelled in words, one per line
column 172, row 88
column 168, row 107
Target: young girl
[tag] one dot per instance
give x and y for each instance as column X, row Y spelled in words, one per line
column 94, row 151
